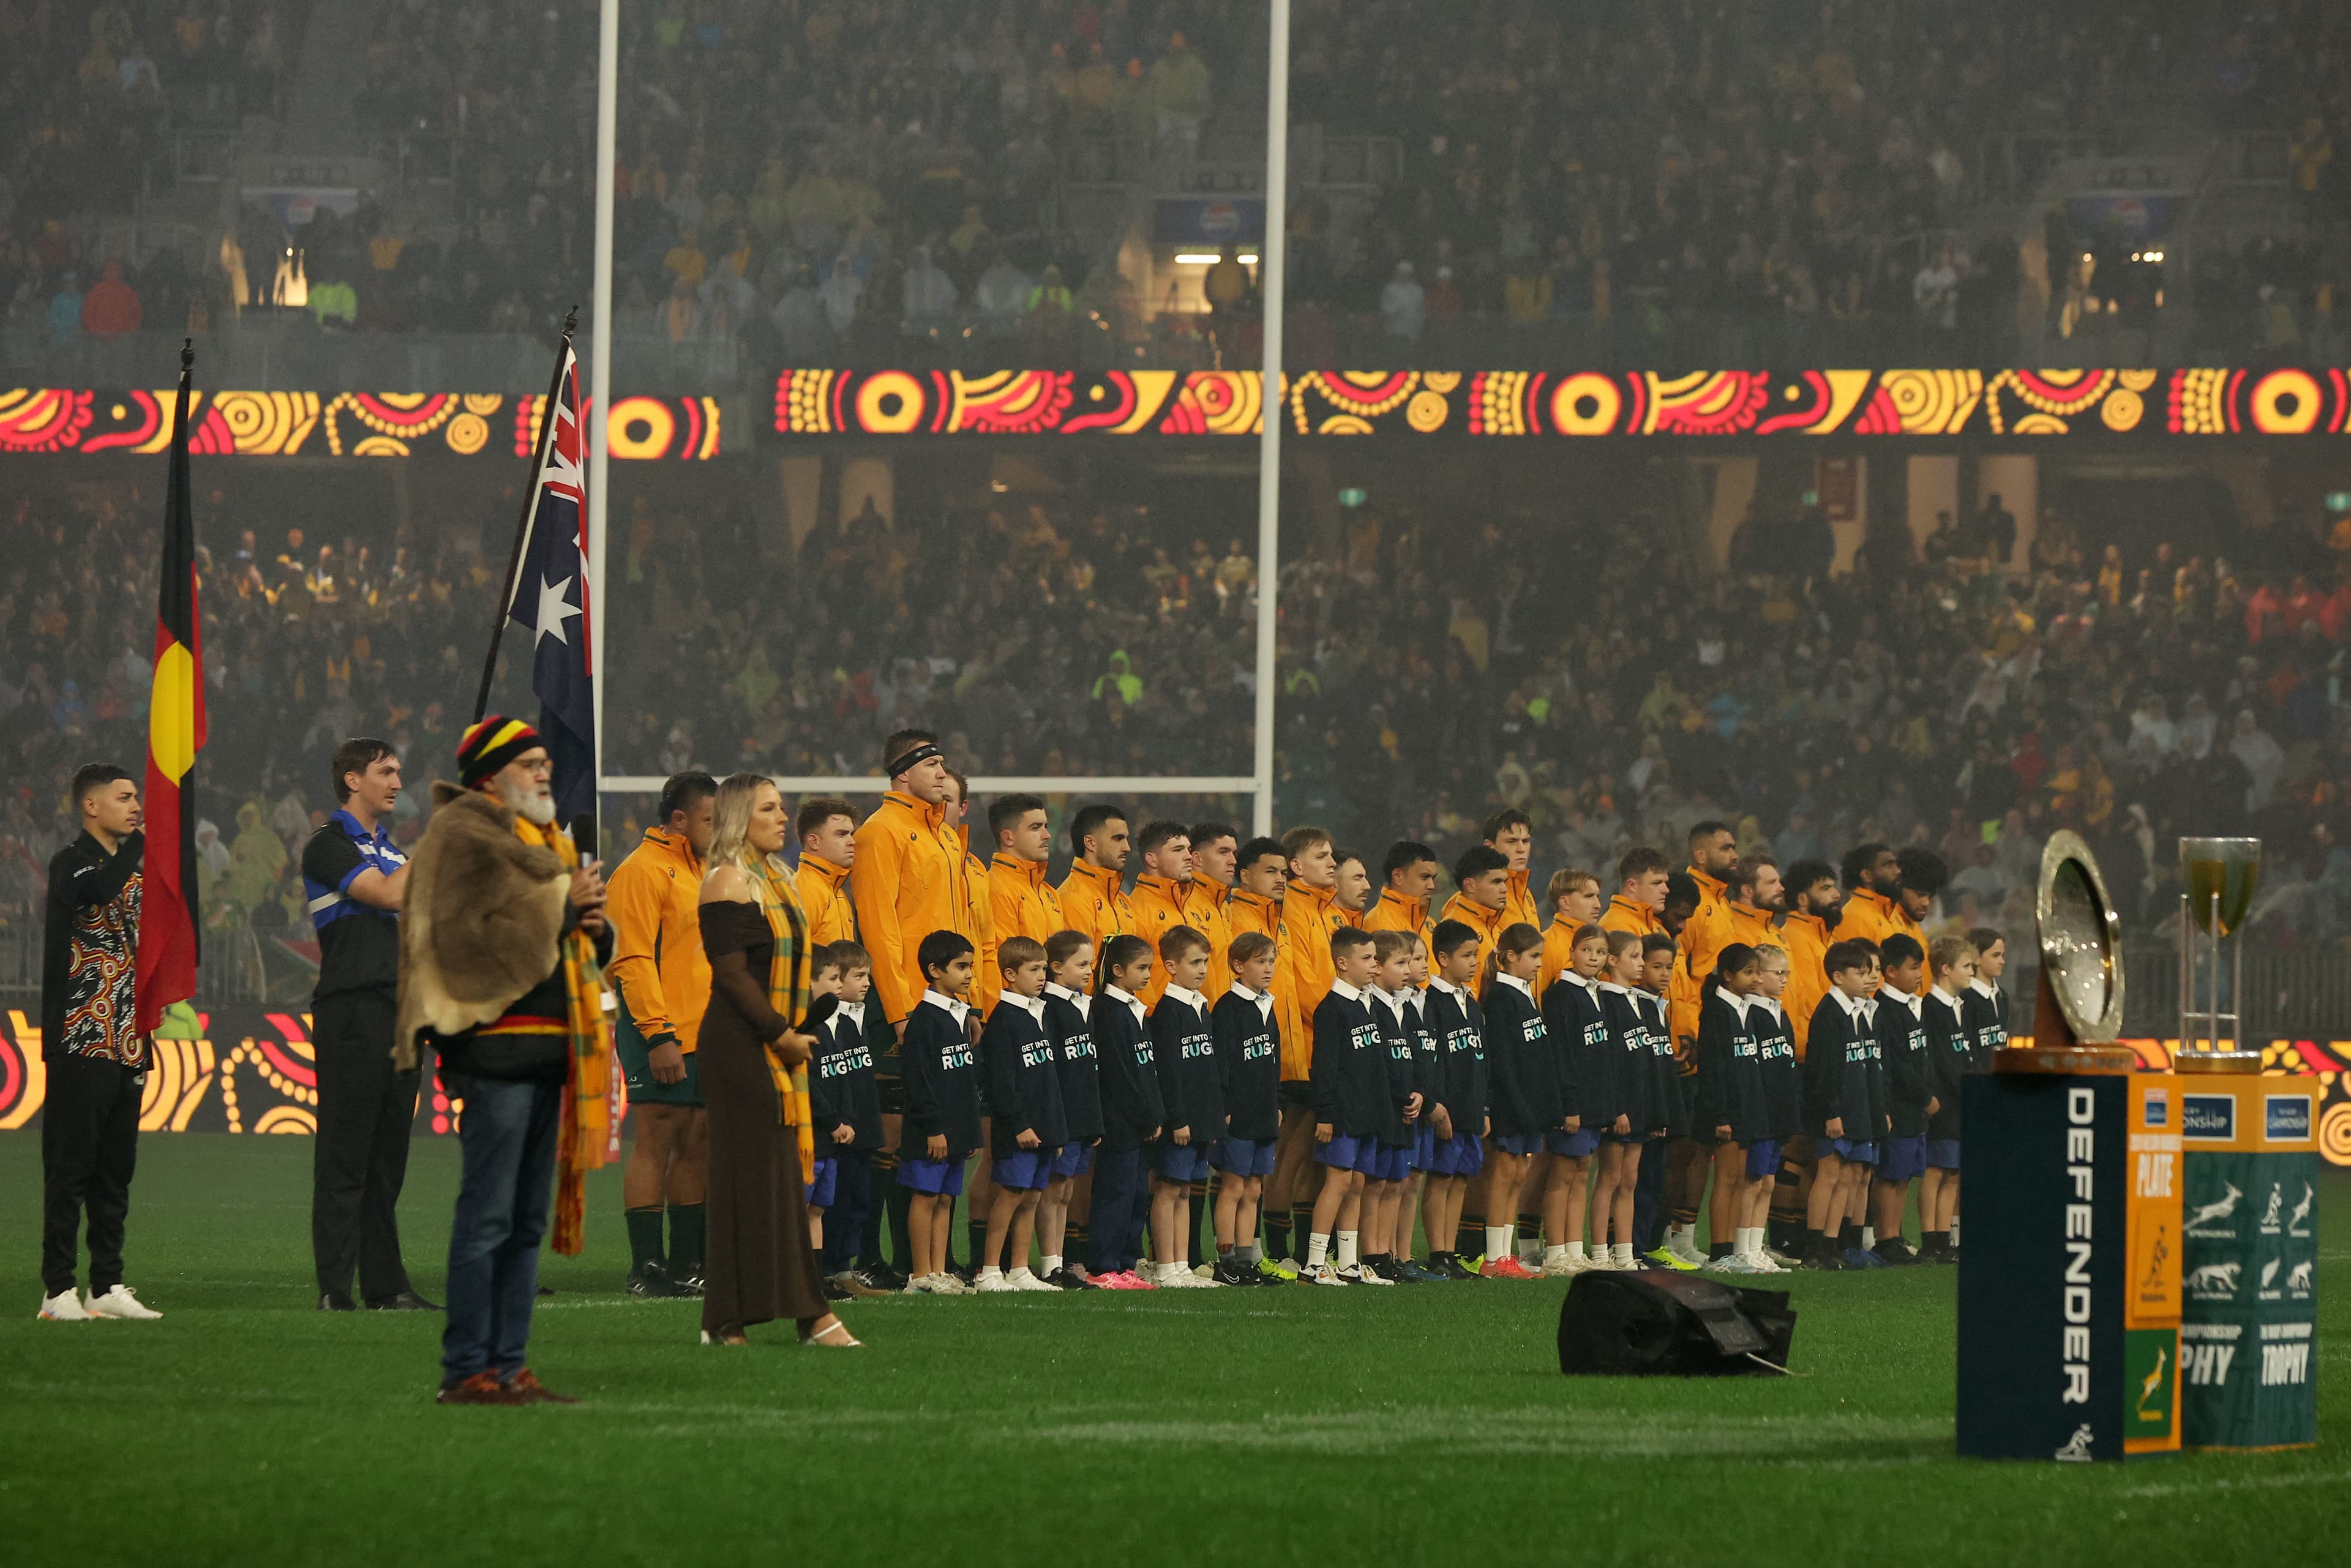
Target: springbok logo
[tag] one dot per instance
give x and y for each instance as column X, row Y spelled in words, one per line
column 2202, row 1223
column 2298, row 1222
column 2297, row 1279
column 2213, row 1281
column 2149, row 1385
column 2077, row 1446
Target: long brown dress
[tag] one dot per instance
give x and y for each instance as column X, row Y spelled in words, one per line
column 757, row 1265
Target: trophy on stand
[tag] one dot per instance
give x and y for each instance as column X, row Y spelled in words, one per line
column 2222, row 875
column 2078, row 1015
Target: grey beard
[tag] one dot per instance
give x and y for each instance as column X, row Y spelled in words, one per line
column 536, row 805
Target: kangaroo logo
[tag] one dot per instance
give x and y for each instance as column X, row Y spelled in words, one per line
column 2298, row 1279
column 2213, row 1281
column 2077, row 1446
column 2152, row 1382
column 2270, row 1210
column 2214, row 1212
column 2298, row 1222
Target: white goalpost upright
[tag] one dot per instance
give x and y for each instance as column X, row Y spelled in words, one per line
column 1259, row 782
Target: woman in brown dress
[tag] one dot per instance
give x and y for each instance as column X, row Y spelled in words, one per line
column 757, row 1264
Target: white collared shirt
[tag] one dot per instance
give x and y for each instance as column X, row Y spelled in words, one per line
column 1767, row 1005
column 1394, row 1000
column 1983, row 987
column 855, row 1013
column 1905, row 998
column 1034, row 1006
column 1612, row 988
column 1141, row 1013
column 1343, row 989
column 1447, row 986
column 1947, row 999
column 1524, row 989
column 957, row 1011
column 1855, row 1006
column 1264, row 999
column 1192, row 999
column 1078, row 999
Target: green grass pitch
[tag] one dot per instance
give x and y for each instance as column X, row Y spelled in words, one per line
column 1413, row 1425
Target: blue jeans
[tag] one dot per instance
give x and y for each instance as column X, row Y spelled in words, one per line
column 509, row 1132
column 845, row 1220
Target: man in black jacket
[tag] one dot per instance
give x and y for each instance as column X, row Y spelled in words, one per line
column 94, row 1057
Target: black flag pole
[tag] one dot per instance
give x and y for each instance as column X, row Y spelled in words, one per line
column 522, row 524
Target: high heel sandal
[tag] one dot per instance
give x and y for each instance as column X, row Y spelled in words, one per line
column 725, row 1337
column 825, row 1338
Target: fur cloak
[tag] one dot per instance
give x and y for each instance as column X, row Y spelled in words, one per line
column 480, row 921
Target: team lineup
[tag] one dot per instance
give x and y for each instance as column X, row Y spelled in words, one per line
column 1256, row 1067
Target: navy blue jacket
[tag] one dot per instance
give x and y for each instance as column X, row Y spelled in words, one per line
column 1950, row 1054
column 1458, row 1024
column 1579, row 1044
column 1729, row 1073
column 1841, row 1073
column 1902, row 1039
column 1024, row 1083
column 1522, row 1072
column 1783, row 1090
column 1670, row 1086
column 1073, row 1053
column 942, row 1074
column 1189, row 1088
column 1249, row 1065
column 1349, row 1079
column 1133, row 1111
column 1632, row 1065
column 840, row 1081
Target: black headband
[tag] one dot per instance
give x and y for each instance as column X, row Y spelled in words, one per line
column 914, row 758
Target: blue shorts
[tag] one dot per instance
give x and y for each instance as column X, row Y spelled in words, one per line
column 1393, row 1162
column 1762, row 1159
column 1460, row 1154
column 1853, row 1151
column 1424, row 1146
column 1574, row 1146
column 1942, row 1153
column 1902, row 1159
column 1073, row 1160
column 1246, row 1156
column 1518, row 1143
column 933, row 1178
column 1024, row 1170
column 1179, row 1162
column 1346, row 1153
column 820, row 1193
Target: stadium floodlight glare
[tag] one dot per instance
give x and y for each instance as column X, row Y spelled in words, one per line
column 1190, row 258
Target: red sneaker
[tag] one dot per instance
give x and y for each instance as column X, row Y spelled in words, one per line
column 1509, row 1268
column 481, row 1388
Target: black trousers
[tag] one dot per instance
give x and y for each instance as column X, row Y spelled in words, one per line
column 366, row 1112
column 89, row 1146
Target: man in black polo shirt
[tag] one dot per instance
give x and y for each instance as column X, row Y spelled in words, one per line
column 354, row 878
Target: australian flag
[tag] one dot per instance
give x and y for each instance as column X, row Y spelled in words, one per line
column 549, row 596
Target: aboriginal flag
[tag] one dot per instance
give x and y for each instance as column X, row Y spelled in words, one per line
column 175, row 733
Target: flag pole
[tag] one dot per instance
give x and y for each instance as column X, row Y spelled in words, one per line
column 600, row 364
column 522, row 524
column 1269, row 458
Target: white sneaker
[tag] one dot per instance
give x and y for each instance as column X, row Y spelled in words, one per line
column 1196, row 1280
column 121, row 1301
column 1734, row 1264
column 1570, row 1264
column 65, row 1307
column 1371, row 1276
column 994, row 1285
column 1025, row 1278
column 936, row 1285
column 1761, row 1263
column 1320, row 1274
column 1687, row 1251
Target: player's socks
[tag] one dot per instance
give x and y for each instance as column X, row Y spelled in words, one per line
column 1301, row 1219
column 1621, row 1254
column 1053, row 1262
column 685, row 1230
column 1278, row 1236
column 645, row 1237
column 1347, row 1241
column 1318, row 1251
column 1716, row 1251
column 1849, row 1235
column 1499, row 1241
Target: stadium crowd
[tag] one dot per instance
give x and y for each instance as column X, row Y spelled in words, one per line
column 1711, row 184
column 2128, row 692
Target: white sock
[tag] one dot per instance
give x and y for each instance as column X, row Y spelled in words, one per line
column 1621, row 1252
column 991, row 1272
column 1682, row 1238
column 1347, row 1255
column 1869, row 1238
column 1052, row 1263
column 1554, row 1256
column 1750, row 1241
column 1498, row 1242
column 1318, row 1250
